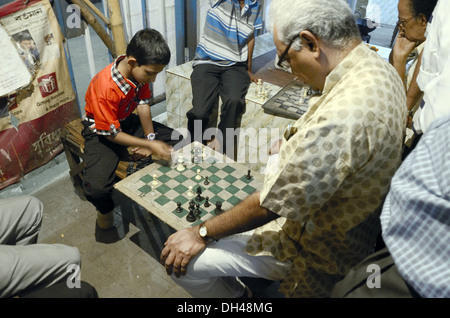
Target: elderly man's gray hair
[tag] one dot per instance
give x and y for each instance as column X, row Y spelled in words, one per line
column 332, row 21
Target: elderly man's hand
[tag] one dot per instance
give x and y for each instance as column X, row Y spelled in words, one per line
column 179, row 249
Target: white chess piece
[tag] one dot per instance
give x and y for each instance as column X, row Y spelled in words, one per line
column 198, row 176
column 263, row 94
column 258, row 88
column 180, row 166
column 190, row 192
column 155, row 181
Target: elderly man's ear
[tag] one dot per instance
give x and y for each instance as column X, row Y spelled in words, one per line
column 310, row 41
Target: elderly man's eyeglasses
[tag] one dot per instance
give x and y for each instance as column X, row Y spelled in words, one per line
column 283, row 56
column 402, row 23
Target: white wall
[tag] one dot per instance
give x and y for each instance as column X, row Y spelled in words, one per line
column 161, row 17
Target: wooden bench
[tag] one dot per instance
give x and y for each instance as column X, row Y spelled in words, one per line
column 73, row 143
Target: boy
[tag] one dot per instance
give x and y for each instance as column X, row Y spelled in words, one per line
column 110, row 125
column 222, row 66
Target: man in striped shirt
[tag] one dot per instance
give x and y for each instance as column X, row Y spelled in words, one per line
column 222, row 67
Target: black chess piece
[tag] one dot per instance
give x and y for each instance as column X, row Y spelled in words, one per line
column 191, row 216
column 218, row 208
column 206, row 181
column 248, row 176
column 179, row 209
column 130, row 168
column 199, row 195
column 197, row 210
column 207, row 204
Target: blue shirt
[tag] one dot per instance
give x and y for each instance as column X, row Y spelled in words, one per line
column 227, row 31
column 416, row 215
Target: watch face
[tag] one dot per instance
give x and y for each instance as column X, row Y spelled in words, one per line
column 151, row 136
column 203, row 231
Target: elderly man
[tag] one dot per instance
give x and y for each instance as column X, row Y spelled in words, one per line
column 318, row 215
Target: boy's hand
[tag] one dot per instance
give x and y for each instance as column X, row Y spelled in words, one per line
column 160, row 150
column 139, row 153
column 156, row 148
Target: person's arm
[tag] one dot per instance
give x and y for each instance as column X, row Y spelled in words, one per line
column 181, row 246
column 145, row 116
column 399, row 56
column 414, row 94
column 142, row 146
column 251, row 47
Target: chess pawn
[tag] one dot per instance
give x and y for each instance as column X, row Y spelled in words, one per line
column 179, row 209
column 180, row 166
column 218, row 208
column 198, row 176
column 190, row 192
column 207, row 204
column 191, row 216
column 155, row 181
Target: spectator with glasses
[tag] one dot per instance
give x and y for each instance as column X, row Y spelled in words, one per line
column 414, row 16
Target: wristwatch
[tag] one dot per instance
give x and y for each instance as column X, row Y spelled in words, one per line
column 203, row 232
column 151, row 136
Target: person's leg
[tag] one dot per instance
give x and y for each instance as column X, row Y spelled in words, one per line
column 205, row 81
column 62, row 290
column 101, row 158
column 214, row 272
column 234, row 85
column 20, row 220
column 36, row 265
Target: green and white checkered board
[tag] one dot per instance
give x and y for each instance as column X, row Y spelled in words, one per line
column 227, row 184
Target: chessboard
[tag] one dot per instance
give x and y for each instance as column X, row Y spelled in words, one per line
column 291, row 101
column 198, row 184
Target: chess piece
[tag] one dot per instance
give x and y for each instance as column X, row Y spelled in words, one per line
column 218, row 208
column 206, row 181
column 197, row 211
column 179, row 209
column 130, row 168
column 198, row 176
column 191, row 216
column 190, row 193
column 199, row 195
column 258, row 88
column 262, row 94
column 207, row 204
column 155, row 181
column 180, row 166
column 248, row 176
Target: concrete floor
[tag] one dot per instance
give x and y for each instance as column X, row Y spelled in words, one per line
column 119, row 263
